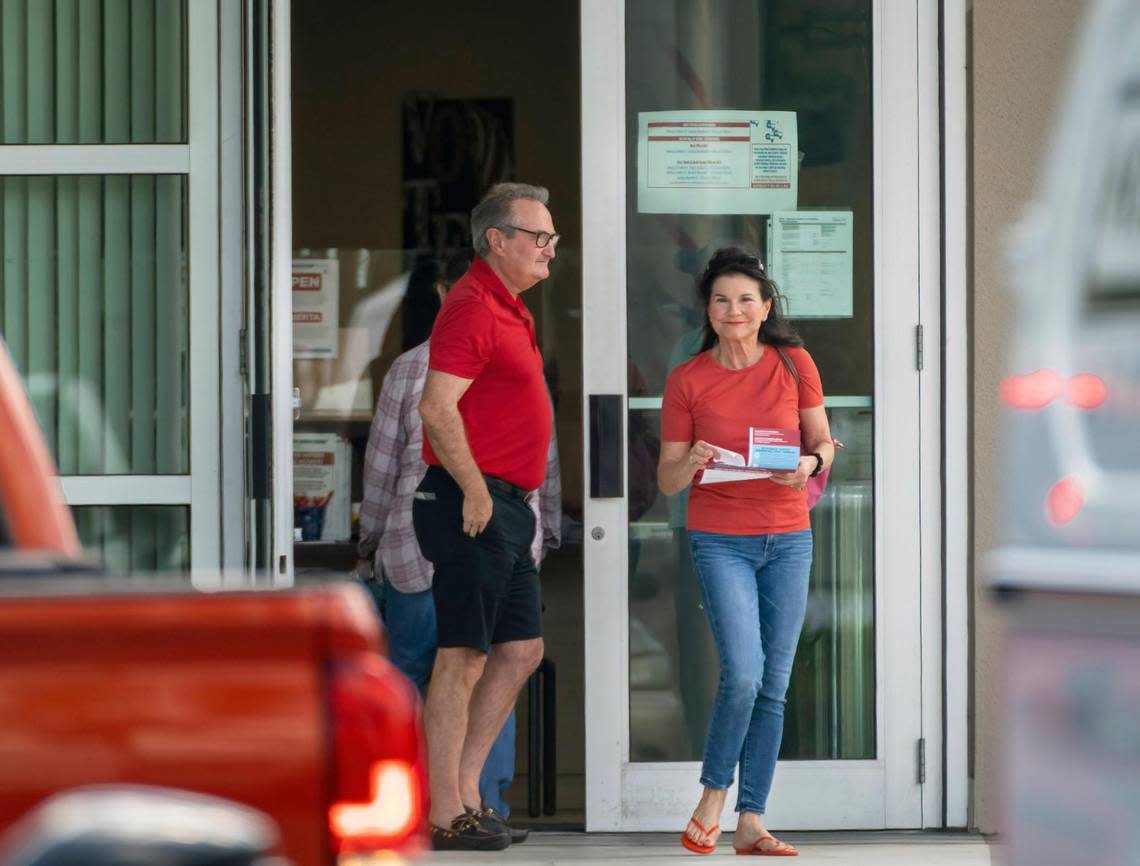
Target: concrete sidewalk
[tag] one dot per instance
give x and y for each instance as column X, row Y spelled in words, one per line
column 848, row 849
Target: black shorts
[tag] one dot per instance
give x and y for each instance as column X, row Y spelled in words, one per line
column 485, row 588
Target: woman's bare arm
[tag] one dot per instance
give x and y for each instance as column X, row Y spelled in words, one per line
column 679, row 462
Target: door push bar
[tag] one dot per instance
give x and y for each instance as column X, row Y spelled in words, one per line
column 607, row 446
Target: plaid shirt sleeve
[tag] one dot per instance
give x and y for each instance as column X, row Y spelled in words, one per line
column 550, row 498
column 382, row 458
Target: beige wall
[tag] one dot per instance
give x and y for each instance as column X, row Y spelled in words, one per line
column 1019, row 59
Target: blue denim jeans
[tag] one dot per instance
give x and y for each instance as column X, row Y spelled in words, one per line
column 409, row 618
column 754, row 589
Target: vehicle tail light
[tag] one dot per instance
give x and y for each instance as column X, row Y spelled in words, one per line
column 1034, row 391
column 1086, row 391
column 389, row 809
column 1037, row 390
column 1064, row 501
column 379, row 787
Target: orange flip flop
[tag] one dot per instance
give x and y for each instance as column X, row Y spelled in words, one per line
column 780, row 849
column 693, row 846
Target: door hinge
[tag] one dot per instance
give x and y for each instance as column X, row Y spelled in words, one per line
column 243, row 357
column 922, row 761
column 918, row 347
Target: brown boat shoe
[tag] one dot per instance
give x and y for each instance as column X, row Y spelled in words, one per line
column 468, row 833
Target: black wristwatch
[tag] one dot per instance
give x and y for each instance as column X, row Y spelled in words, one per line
column 818, row 464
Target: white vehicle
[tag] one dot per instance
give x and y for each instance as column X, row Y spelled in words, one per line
column 1068, row 560
column 1071, row 461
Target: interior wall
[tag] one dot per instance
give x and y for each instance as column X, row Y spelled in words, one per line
column 1020, row 53
column 354, row 62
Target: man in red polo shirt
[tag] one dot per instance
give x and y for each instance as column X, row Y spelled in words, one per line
column 487, row 420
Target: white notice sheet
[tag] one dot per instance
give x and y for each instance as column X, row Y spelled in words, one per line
column 716, row 162
column 810, row 256
column 316, row 307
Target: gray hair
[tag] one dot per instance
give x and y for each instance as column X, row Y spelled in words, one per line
column 495, row 210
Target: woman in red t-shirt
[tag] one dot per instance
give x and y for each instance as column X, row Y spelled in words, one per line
column 750, row 539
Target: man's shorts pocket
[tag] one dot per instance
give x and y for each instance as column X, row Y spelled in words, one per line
column 425, row 521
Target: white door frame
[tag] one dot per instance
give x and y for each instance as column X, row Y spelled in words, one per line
column 281, row 281
column 880, row 793
column 231, row 264
column 204, row 218
column 955, row 395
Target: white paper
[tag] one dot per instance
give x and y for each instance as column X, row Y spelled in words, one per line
column 316, row 307
column 728, row 458
column 338, row 513
column 717, row 162
column 719, row 476
column 810, row 256
column 322, row 465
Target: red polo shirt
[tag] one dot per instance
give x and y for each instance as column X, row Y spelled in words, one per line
column 486, row 334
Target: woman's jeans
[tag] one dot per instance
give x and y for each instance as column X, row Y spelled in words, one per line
column 410, row 620
column 754, row 589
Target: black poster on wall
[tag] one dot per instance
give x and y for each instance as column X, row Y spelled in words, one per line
column 454, row 151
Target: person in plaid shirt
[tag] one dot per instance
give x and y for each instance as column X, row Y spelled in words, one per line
column 401, row 578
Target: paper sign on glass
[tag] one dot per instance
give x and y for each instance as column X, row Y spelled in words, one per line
column 717, row 162
column 811, row 258
column 316, row 307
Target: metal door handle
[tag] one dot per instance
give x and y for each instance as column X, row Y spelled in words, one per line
column 607, row 446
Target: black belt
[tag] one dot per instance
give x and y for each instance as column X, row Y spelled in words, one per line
column 502, row 486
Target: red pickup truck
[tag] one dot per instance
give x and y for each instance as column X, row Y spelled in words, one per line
column 279, row 699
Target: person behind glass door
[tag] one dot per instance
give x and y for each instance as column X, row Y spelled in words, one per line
column 488, row 420
column 396, row 573
column 751, row 540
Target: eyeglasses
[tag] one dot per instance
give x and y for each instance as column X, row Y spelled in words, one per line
column 541, row 239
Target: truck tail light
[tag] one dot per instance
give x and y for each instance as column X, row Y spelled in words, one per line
column 390, row 810
column 379, row 787
column 1064, row 501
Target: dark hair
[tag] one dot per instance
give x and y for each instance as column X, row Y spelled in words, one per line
column 455, row 266
column 421, row 300
column 775, row 330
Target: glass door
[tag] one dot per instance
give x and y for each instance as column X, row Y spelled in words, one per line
column 384, row 176
column 789, row 127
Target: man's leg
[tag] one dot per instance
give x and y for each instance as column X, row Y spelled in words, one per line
column 499, row 769
column 494, row 697
column 465, row 589
column 516, row 646
column 453, row 680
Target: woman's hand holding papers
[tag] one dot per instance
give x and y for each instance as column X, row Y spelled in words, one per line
column 679, row 462
column 799, row 478
column 702, row 454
